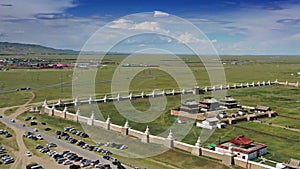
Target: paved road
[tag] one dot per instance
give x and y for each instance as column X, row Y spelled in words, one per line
column 64, row 145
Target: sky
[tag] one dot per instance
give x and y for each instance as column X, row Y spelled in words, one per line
column 233, row 27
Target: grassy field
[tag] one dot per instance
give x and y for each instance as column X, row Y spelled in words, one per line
column 280, row 141
column 10, row 111
column 14, row 98
column 10, row 144
column 54, row 84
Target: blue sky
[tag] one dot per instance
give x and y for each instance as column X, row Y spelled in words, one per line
column 233, row 26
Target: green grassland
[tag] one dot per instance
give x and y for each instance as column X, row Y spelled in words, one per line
column 54, row 84
column 14, row 98
column 10, row 111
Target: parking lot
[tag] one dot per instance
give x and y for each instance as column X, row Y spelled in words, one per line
column 7, row 146
column 90, row 154
column 6, row 158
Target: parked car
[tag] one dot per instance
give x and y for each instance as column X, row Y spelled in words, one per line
column 49, row 145
column 27, row 118
column 33, row 123
column 67, row 162
column 8, row 135
column 61, row 160
column 34, row 166
column 94, row 162
column 40, row 137
column 28, row 154
column 44, row 150
column 74, row 166
column 38, row 146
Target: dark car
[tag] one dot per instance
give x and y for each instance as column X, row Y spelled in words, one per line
column 106, row 157
column 27, row 118
column 120, row 167
column 33, row 123
column 84, row 135
column 38, row 146
column 73, row 141
column 116, row 162
column 8, row 135
column 65, row 152
column 74, row 166
column 58, row 132
column 77, row 159
column 107, row 166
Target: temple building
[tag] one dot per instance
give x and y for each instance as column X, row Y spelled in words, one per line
column 243, row 148
column 229, row 102
column 209, row 104
column 190, row 106
column 211, row 121
column 262, row 109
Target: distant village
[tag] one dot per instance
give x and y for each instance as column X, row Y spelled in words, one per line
column 8, row 63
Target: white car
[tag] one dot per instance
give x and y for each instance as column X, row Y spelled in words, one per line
column 35, row 130
column 28, row 154
column 13, row 120
column 67, row 162
column 40, row 137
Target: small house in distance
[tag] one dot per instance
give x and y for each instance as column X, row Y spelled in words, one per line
column 209, row 104
column 229, row 102
column 262, row 109
column 181, row 120
column 242, row 147
column 190, row 106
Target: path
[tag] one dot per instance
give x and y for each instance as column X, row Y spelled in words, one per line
column 19, row 134
column 21, row 159
column 276, row 125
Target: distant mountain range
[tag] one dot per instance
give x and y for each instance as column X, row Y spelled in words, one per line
column 7, row 48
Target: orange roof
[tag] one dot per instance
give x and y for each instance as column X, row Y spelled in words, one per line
column 241, row 140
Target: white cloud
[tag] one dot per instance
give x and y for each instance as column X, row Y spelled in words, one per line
column 296, row 36
column 214, row 41
column 188, row 38
column 254, row 31
column 151, row 26
column 121, row 24
column 160, row 14
column 20, row 9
